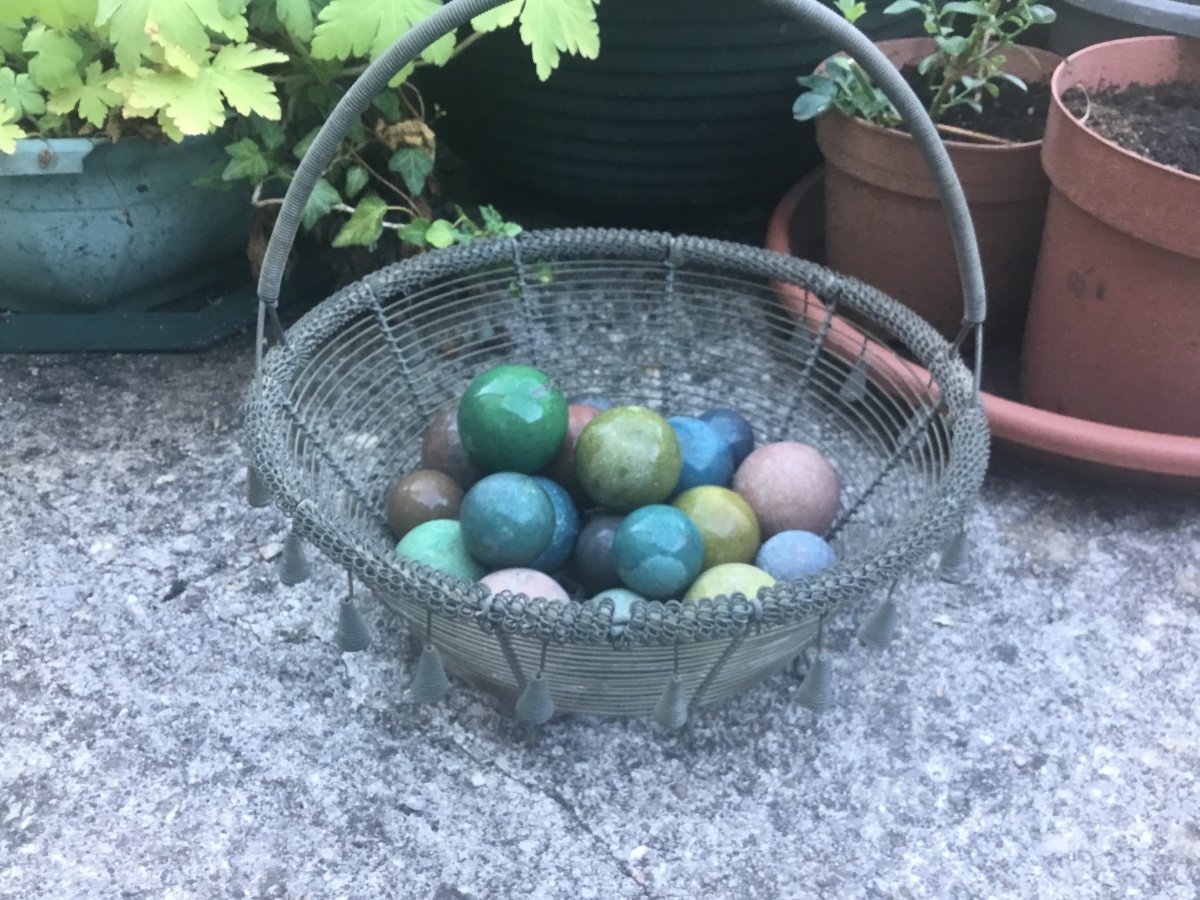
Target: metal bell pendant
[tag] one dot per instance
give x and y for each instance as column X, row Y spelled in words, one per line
column 955, row 565
column 671, row 712
column 257, row 492
column 879, row 628
column 816, row 691
column 352, row 635
column 534, row 705
column 430, row 684
column 293, row 564
column 854, row 388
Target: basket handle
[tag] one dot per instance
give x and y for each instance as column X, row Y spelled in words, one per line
column 457, row 13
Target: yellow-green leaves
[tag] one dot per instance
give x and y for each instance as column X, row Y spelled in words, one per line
column 58, row 14
column 18, row 93
column 368, row 27
column 365, row 224
column 549, row 28
column 90, row 96
column 193, row 105
column 54, row 62
column 10, row 132
column 179, row 27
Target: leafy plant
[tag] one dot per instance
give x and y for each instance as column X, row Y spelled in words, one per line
column 268, row 72
column 967, row 64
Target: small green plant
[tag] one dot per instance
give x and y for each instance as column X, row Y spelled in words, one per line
column 266, row 73
column 967, row 64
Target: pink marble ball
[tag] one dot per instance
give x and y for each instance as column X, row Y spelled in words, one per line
column 790, row 486
column 529, row 582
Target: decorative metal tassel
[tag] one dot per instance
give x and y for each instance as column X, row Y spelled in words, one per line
column 430, row 684
column 352, row 635
column 672, row 709
column 535, row 705
column 816, row 690
column 878, row 629
column 257, row 492
column 293, row 564
column 955, row 565
column 854, row 388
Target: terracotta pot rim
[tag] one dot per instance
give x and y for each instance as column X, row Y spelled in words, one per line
column 896, row 134
column 1057, row 88
column 1069, row 439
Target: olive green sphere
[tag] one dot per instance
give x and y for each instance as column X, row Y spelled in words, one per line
column 512, row 419
column 725, row 521
column 627, row 457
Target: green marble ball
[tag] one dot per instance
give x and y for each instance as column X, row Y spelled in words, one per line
column 512, row 419
column 627, row 457
column 439, row 545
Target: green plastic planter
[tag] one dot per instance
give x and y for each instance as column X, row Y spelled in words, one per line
column 87, row 225
column 688, row 105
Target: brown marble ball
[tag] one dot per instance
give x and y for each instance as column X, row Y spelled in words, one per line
column 789, row 486
column 422, row 496
column 442, row 449
column 562, row 467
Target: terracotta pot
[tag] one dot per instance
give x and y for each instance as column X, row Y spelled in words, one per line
column 885, row 224
column 1085, row 447
column 1114, row 326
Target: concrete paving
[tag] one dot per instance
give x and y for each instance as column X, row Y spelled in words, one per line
column 174, row 723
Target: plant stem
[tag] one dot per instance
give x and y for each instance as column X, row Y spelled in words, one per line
column 409, row 201
column 955, row 131
column 958, row 66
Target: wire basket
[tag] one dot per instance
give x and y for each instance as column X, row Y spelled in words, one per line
column 340, row 404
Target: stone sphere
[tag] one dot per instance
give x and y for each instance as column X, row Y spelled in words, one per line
column 622, row 601
column 512, row 419
column 439, row 545
column 704, row 455
column 627, row 457
column 594, row 564
column 736, row 431
column 420, row 497
column 566, row 528
column 790, row 486
column 442, row 449
column 730, row 579
column 795, row 554
column 562, row 467
column 658, row 551
column 507, row 520
column 529, row 582
column 726, row 523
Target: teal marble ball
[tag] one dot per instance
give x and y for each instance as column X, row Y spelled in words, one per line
column 507, row 520
column 512, row 419
column 658, row 551
column 439, row 545
column 628, row 457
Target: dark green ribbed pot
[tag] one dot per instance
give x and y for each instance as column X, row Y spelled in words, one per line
column 688, row 105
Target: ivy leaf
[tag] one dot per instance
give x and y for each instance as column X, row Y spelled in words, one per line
column 553, row 27
column 365, row 224
column 414, row 232
column 55, row 60
column 59, row 14
column 10, row 133
column 414, row 166
column 246, row 161
column 180, row 27
column 368, row 27
column 296, row 16
column 320, row 202
column 91, row 95
column 305, row 142
column 270, row 134
column 440, row 234
column 193, row 105
column 18, row 92
column 388, row 104
column 356, row 180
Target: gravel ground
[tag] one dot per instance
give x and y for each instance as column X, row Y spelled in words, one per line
column 175, row 723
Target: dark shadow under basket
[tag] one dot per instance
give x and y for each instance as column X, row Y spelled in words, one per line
column 677, row 324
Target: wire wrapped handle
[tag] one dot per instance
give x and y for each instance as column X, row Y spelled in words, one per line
column 457, row 13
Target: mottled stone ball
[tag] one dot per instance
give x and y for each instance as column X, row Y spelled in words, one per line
column 512, row 419
column 622, row 601
column 562, row 467
column 627, row 457
column 790, row 486
column 735, row 429
column 422, row 496
column 594, row 565
column 658, row 551
column 730, row 579
column 507, row 520
column 442, row 449
column 726, row 523
column 704, row 455
column 529, row 582
column 795, row 554
column 439, row 545
column 566, row 528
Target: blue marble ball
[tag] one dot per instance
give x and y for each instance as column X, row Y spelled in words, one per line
column 734, row 429
column 507, row 520
column 705, row 454
column 622, row 601
column 795, row 554
column 566, row 528
column 658, row 551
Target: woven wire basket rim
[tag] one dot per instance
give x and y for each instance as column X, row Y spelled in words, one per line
column 722, row 617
